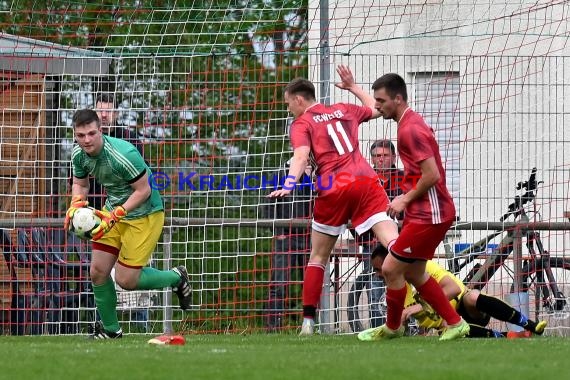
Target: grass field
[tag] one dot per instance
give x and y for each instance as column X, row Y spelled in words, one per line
column 284, row 357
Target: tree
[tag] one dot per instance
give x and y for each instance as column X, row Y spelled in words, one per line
column 208, row 77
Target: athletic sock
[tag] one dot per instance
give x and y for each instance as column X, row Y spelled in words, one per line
column 106, row 302
column 526, row 323
column 432, row 293
column 308, row 320
column 497, row 334
column 151, row 278
column 309, row 312
column 476, row 331
column 503, row 312
column 395, row 300
column 312, row 287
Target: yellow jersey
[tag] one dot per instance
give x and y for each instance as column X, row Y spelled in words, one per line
column 428, row 318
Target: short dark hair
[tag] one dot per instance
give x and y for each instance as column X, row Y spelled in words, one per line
column 105, row 98
column 83, row 117
column 303, row 87
column 383, row 144
column 394, row 85
column 379, row 251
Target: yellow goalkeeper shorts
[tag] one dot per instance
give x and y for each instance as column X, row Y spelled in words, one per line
column 133, row 240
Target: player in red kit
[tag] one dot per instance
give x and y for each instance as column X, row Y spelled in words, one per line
column 347, row 186
column 429, row 212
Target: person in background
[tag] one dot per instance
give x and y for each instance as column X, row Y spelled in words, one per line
column 384, row 158
column 106, row 110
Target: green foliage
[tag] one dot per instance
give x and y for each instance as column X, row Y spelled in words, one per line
column 193, row 69
column 173, row 55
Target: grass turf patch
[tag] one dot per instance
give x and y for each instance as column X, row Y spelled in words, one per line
column 283, row 357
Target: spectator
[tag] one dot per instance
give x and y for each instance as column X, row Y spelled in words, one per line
column 383, row 154
column 291, row 247
column 107, row 113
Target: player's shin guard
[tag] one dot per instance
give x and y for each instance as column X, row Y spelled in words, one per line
column 502, row 311
column 312, row 287
column 395, row 300
column 151, row 278
column 106, row 302
column 432, row 293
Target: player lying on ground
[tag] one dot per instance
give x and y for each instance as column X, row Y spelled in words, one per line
column 475, row 307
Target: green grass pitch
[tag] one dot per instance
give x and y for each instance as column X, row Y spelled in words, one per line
column 288, row 357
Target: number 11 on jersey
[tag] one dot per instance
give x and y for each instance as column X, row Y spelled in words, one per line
column 333, row 134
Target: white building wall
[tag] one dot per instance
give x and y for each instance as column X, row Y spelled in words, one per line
column 513, row 62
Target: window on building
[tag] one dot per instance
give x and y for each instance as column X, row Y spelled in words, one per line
column 436, row 97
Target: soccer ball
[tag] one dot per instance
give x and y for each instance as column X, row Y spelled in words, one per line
column 84, row 221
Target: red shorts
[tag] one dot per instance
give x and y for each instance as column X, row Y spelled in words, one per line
column 364, row 206
column 419, row 241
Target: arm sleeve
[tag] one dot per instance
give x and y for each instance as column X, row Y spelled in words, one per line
column 410, row 300
column 132, row 138
column 300, row 135
column 133, row 166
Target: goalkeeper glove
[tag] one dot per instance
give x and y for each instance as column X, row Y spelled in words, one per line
column 77, row 202
column 108, row 221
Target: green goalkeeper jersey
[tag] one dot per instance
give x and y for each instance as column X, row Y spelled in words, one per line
column 117, row 166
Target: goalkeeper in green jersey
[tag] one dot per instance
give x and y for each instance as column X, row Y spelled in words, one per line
column 475, row 307
column 131, row 221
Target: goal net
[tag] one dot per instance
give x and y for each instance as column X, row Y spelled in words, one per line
column 488, row 78
column 199, row 87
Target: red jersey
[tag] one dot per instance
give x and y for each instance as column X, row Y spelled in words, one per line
column 332, row 134
column 416, row 142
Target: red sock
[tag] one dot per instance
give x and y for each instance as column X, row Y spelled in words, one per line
column 312, row 286
column 395, row 299
column 433, row 294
